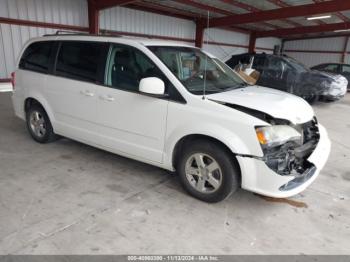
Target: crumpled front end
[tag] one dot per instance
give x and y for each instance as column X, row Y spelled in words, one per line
column 287, row 170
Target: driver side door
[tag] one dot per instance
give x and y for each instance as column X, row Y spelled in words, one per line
column 131, row 123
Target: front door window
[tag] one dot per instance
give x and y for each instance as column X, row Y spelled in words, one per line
column 127, row 66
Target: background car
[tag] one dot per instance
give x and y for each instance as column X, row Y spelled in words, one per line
column 286, row 74
column 335, row 68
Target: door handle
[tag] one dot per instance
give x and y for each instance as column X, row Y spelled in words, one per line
column 87, row 93
column 107, row 98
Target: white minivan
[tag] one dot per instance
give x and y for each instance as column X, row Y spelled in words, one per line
column 172, row 106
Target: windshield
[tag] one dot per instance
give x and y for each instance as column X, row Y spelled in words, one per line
column 194, row 68
column 296, row 64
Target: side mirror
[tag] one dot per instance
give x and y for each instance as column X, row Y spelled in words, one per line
column 152, row 86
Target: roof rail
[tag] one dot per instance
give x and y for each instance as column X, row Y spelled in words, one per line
column 63, row 32
column 103, row 33
column 109, row 33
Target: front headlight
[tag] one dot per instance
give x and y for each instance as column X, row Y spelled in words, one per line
column 270, row 136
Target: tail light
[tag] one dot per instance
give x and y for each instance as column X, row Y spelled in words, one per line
column 13, row 80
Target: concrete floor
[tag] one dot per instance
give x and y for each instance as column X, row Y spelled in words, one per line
column 69, row 198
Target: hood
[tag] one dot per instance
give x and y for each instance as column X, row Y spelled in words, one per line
column 270, row 101
column 324, row 75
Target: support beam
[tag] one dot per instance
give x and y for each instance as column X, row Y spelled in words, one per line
column 282, row 13
column 280, row 3
column 200, row 25
column 338, row 14
column 304, row 30
column 344, row 49
column 254, row 9
column 252, row 42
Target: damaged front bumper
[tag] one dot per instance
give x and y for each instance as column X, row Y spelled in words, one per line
column 258, row 177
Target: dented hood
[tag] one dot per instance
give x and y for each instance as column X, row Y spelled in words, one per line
column 270, row 101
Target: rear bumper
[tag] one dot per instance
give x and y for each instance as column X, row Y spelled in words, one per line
column 259, row 178
column 18, row 104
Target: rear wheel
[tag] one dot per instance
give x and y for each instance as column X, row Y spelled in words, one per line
column 207, row 171
column 39, row 125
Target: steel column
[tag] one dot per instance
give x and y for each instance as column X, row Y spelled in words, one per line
column 344, row 49
column 93, row 17
column 252, row 42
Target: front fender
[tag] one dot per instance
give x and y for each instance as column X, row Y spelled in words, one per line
column 247, row 145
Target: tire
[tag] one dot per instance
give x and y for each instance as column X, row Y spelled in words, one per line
column 218, row 165
column 311, row 99
column 39, row 125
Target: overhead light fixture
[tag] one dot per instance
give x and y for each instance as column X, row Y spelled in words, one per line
column 318, row 17
column 341, row 30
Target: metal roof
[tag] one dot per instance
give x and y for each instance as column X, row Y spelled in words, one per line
column 220, row 9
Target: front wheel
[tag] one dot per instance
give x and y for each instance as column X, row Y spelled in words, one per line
column 207, row 171
column 311, row 99
column 312, row 96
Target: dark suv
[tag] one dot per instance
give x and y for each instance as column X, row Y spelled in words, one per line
column 286, row 74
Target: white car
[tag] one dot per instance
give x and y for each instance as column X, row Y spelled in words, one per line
column 171, row 106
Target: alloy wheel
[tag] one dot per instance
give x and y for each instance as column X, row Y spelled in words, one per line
column 37, row 124
column 203, row 173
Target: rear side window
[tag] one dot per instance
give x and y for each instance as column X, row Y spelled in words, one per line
column 346, row 69
column 331, row 68
column 79, row 60
column 36, row 57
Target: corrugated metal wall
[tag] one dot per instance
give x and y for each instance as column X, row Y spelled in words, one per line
column 71, row 12
column 222, row 43
column 262, row 44
column 224, row 52
column 135, row 21
column 13, row 37
column 321, row 50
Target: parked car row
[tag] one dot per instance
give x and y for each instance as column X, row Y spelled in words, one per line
column 174, row 107
column 286, row 74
